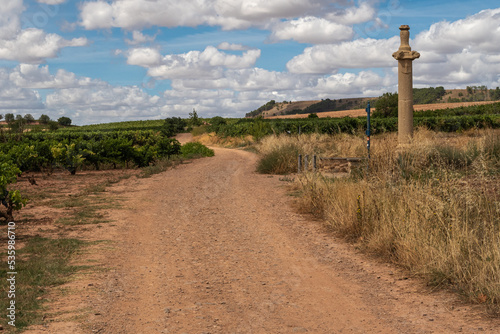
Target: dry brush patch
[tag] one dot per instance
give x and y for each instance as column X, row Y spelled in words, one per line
column 432, row 207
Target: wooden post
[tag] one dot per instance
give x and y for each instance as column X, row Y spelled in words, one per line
column 314, row 163
column 299, row 165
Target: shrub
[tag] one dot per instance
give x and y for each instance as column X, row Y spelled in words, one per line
column 280, row 160
column 196, row 150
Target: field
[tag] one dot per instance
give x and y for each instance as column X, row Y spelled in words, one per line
column 432, row 209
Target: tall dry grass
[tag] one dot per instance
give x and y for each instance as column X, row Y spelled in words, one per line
column 432, row 206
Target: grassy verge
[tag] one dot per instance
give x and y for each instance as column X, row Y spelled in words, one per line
column 41, row 264
column 432, row 207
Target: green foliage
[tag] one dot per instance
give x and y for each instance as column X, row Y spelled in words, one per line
column 64, row 121
column 313, row 115
column 53, row 125
column 217, row 123
column 386, row 105
column 68, row 156
column 196, row 149
column 44, row 119
column 194, row 120
column 495, row 94
column 428, row 95
column 168, row 147
column 29, row 118
column 10, row 199
column 173, row 126
column 9, row 118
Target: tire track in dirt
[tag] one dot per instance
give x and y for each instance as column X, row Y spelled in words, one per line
column 213, row 247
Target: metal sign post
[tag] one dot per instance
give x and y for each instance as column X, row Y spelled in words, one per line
column 368, row 129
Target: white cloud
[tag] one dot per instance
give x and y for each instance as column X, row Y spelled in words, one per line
column 39, row 77
column 29, row 45
column 361, row 53
column 312, row 30
column 15, row 99
column 10, row 12
column 139, row 38
column 479, row 32
column 51, row 2
column 34, row 46
column 145, row 57
column 353, row 15
column 232, row 47
column 209, row 63
column 228, row 14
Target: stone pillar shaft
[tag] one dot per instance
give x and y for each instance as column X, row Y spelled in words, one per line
column 405, row 58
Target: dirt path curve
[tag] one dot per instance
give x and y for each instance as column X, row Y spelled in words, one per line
column 213, row 247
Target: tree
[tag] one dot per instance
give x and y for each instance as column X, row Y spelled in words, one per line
column 53, row 125
column 172, row 126
column 64, row 121
column 18, row 125
column 194, row 119
column 29, row 118
column 9, row 118
column 387, row 105
column 313, row 115
column 44, row 119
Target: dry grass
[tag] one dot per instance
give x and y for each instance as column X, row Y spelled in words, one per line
column 432, row 206
column 211, row 139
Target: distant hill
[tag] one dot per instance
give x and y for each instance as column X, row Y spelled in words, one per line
column 306, row 107
column 431, row 95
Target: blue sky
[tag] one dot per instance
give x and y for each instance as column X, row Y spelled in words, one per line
column 103, row 61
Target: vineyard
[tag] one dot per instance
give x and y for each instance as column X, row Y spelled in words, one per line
column 446, row 120
column 106, row 146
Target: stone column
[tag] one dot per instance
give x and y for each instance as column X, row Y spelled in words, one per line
column 405, row 56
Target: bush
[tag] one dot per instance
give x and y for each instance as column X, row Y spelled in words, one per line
column 173, row 126
column 64, row 121
column 196, row 150
column 10, row 199
column 387, row 105
column 281, row 160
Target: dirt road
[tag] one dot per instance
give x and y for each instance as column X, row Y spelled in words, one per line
column 213, row 247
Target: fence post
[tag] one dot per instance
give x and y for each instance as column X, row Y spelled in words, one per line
column 299, row 164
column 314, row 163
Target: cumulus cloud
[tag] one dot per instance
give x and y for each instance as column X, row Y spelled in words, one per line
column 207, row 64
column 39, row 77
column 34, row 46
column 145, row 57
column 51, row 2
column 361, row 53
column 139, row 38
column 17, row 99
column 232, row 47
column 353, row 15
column 479, row 31
column 29, row 45
column 10, row 18
column 311, row 30
column 228, row 14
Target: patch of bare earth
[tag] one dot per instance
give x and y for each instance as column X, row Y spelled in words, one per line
column 213, row 247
